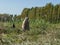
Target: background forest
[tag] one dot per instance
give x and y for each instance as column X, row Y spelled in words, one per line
column 49, row 12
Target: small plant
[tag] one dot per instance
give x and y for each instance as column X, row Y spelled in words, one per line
column 42, row 24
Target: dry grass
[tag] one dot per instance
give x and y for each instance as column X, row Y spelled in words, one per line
column 36, row 36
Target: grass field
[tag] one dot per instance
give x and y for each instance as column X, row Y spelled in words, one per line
column 41, row 33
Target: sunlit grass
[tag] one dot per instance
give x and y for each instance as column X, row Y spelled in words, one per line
column 40, row 33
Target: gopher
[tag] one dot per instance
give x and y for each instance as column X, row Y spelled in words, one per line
column 13, row 25
column 25, row 24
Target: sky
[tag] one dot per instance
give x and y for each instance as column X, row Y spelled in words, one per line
column 16, row 6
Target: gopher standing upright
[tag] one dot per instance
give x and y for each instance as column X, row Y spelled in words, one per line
column 25, row 24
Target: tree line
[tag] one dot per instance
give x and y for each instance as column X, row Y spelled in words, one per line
column 49, row 12
column 7, row 17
